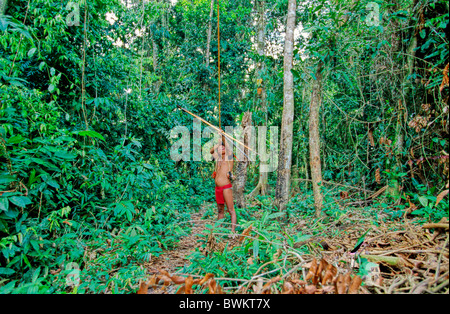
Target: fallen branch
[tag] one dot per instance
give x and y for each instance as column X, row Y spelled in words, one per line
column 391, row 260
column 436, row 226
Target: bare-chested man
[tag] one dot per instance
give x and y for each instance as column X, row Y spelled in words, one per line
column 223, row 155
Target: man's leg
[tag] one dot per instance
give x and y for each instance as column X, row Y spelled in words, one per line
column 221, row 208
column 228, row 196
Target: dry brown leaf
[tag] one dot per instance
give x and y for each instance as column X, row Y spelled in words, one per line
column 166, row 280
column 312, row 270
column 348, row 280
column 299, row 282
column 310, row 289
column 175, row 279
column 354, row 285
column 445, row 79
column 329, row 274
column 245, row 233
column 206, row 278
column 143, row 288
column 257, row 288
column 378, row 176
column 344, row 195
column 181, row 290
column 152, row 281
column 266, row 287
column 328, row 289
column 441, row 196
column 188, row 285
column 371, row 139
column 323, row 265
column 178, row 280
column 288, row 288
column 212, row 286
column 340, row 284
column 426, row 107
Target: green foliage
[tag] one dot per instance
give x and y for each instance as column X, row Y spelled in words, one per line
column 426, row 204
column 268, row 243
column 85, row 118
column 64, row 193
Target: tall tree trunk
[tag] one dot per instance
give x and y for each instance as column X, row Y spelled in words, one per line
column 286, row 138
column 261, row 187
column 314, row 140
column 208, row 40
column 402, row 100
column 242, row 165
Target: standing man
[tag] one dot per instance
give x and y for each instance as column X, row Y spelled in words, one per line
column 223, row 155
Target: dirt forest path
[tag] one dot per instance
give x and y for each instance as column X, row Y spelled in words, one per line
column 171, row 260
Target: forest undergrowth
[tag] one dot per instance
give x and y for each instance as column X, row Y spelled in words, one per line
column 96, row 196
column 368, row 250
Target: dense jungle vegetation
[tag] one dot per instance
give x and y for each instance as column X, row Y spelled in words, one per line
column 89, row 92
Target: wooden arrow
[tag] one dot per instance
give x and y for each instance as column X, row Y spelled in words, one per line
column 217, row 129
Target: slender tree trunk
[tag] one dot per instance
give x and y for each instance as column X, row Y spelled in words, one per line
column 405, row 90
column 286, row 138
column 208, row 40
column 314, row 140
column 242, row 165
column 261, row 187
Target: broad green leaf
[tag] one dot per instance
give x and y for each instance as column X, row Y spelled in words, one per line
column 16, row 139
column 20, row 201
column 91, row 134
column 6, row 179
column 65, row 154
column 255, row 249
column 12, row 213
column 275, row 215
column 6, row 271
column 31, row 52
column 4, row 204
column 295, row 73
column 8, row 288
column 304, row 237
column 36, row 274
column 35, row 245
column 423, row 33
column 53, row 183
column 423, row 200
